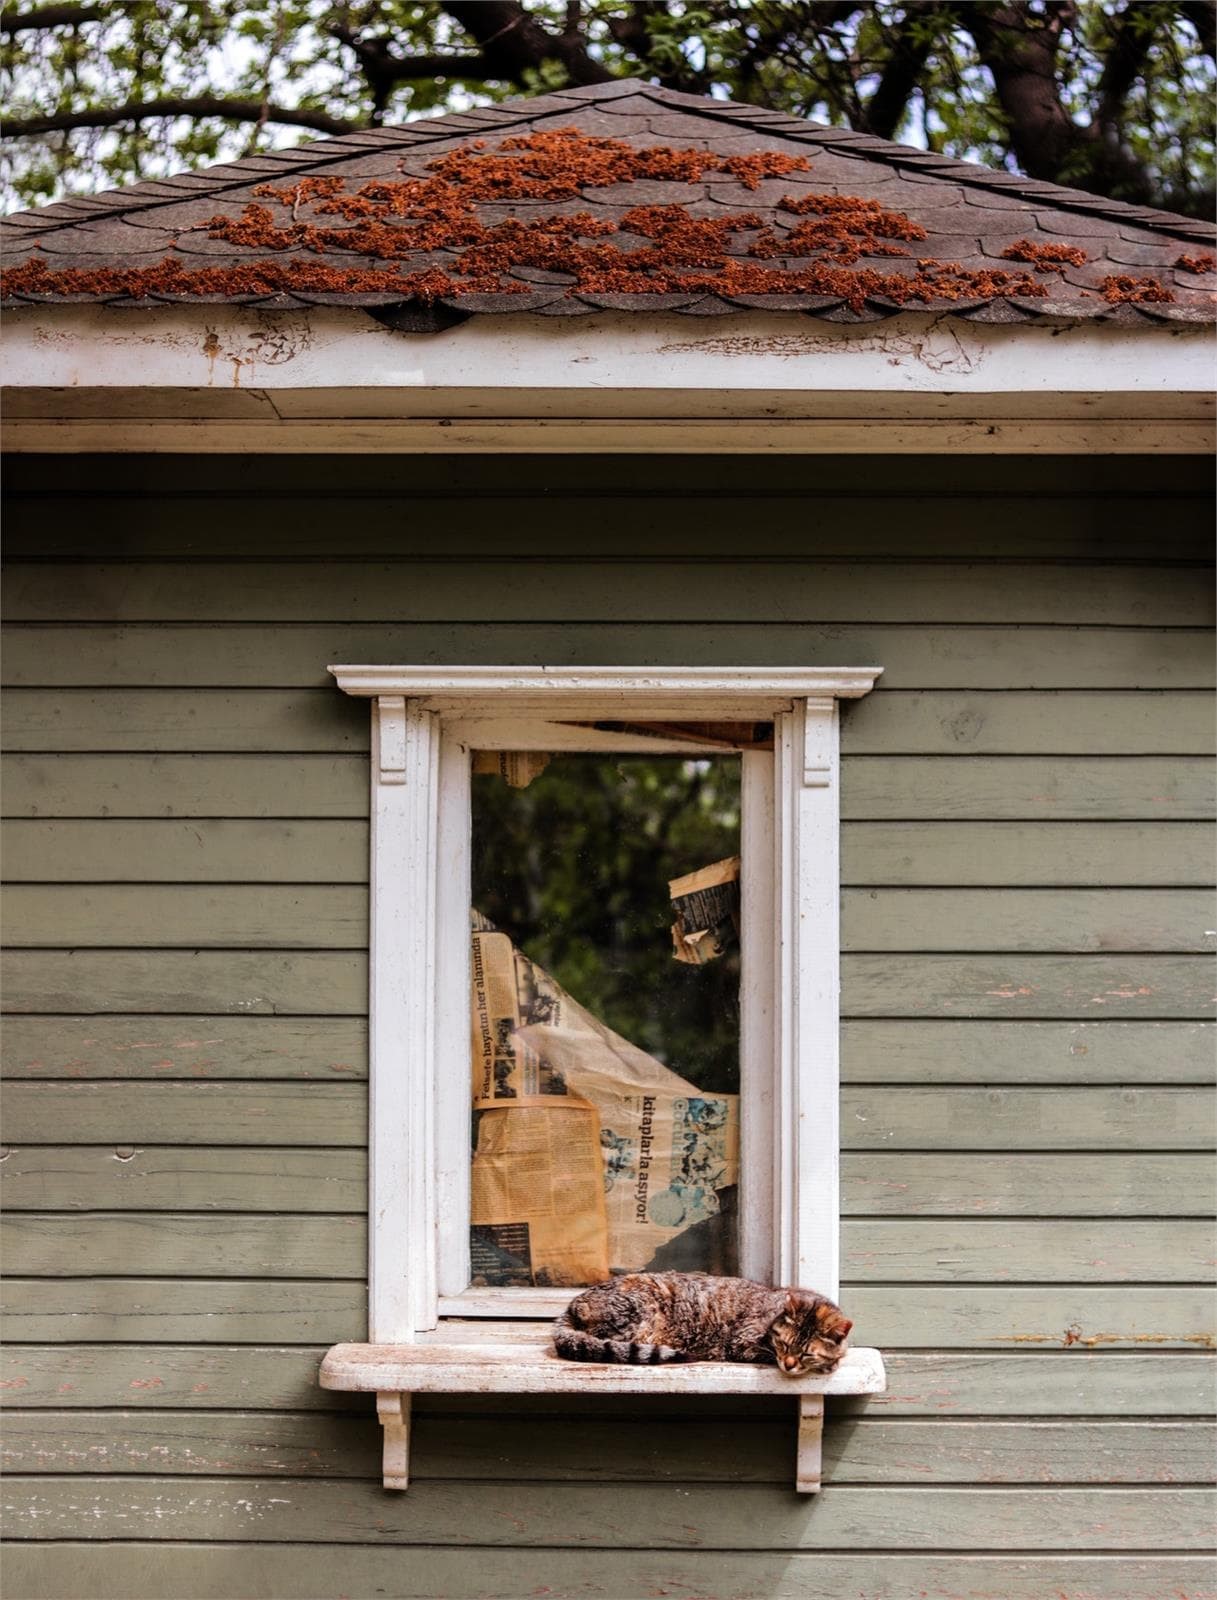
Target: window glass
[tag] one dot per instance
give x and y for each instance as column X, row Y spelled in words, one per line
column 605, row 1015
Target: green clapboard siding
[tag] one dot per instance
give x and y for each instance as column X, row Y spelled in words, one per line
column 1027, row 1109
column 1061, row 1054
column 186, row 1177
column 188, row 852
column 181, row 1444
column 580, row 1515
column 873, row 788
column 954, row 656
column 119, row 1571
column 653, row 592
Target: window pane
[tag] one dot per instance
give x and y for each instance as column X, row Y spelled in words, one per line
column 605, row 1068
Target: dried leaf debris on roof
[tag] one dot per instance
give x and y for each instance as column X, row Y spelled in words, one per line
column 618, row 197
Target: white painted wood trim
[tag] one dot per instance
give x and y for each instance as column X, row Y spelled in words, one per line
column 806, row 1007
column 535, row 733
column 418, row 1000
column 529, row 361
column 759, row 1132
column 452, row 983
column 462, row 735
column 517, row 689
column 330, row 380
column 393, row 1411
column 810, row 1438
column 401, row 1007
column 539, row 1304
column 531, row 1368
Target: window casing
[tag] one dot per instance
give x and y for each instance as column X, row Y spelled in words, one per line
column 425, row 723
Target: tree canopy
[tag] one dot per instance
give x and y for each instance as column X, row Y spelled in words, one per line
column 1112, row 96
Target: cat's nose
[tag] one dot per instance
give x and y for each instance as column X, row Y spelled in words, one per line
column 790, row 1363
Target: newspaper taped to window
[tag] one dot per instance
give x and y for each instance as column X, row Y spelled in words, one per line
column 590, row 1156
column 707, row 907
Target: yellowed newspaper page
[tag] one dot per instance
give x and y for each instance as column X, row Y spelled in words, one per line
column 665, row 1153
column 538, row 1214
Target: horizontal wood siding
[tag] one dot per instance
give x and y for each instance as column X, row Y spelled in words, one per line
column 1027, row 1104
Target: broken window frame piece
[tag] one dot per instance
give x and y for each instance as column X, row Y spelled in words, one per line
column 426, row 721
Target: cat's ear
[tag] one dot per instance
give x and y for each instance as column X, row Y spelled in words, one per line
column 800, row 1301
column 832, row 1323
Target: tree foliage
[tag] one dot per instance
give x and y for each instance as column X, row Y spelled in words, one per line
column 1113, row 96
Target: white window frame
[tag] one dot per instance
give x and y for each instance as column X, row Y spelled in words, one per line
column 425, row 723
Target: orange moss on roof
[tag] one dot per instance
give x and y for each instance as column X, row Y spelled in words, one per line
column 1121, row 288
column 612, row 274
column 389, row 229
column 169, row 277
column 1186, row 263
column 1046, row 257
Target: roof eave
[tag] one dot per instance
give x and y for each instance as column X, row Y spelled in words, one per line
column 216, row 378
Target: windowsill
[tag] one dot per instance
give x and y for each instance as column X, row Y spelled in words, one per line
column 515, row 1358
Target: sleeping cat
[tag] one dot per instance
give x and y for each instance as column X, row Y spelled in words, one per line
column 649, row 1317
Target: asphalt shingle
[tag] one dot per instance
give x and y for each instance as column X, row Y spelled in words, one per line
column 844, row 226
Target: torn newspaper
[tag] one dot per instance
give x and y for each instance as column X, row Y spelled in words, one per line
column 590, row 1155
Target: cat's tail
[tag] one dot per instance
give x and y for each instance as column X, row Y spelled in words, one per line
column 575, row 1345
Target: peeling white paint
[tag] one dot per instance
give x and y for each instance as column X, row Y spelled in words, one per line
column 205, row 347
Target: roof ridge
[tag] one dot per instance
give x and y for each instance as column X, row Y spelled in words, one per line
column 237, row 174
column 892, row 153
column 427, row 130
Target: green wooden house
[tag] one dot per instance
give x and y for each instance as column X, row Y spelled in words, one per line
column 749, row 411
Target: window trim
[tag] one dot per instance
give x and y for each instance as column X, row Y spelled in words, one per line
column 418, row 957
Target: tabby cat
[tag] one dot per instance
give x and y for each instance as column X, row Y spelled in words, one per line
column 689, row 1316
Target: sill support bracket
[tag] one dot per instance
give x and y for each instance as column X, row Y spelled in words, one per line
column 394, row 1412
column 811, row 1430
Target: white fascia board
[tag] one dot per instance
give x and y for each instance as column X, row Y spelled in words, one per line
column 286, row 354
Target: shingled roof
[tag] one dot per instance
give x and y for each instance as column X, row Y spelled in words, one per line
column 616, row 197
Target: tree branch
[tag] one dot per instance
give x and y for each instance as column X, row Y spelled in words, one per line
column 378, row 60
column 50, row 17
column 514, row 43
column 383, row 69
column 196, row 106
column 1132, row 37
column 914, row 40
column 1019, row 47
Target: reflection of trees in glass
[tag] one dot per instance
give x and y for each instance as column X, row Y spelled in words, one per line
column 575, row 868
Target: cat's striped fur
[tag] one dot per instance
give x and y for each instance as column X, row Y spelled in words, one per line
column 655, row 1317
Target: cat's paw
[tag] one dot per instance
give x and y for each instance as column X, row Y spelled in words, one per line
column 649, row 1355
